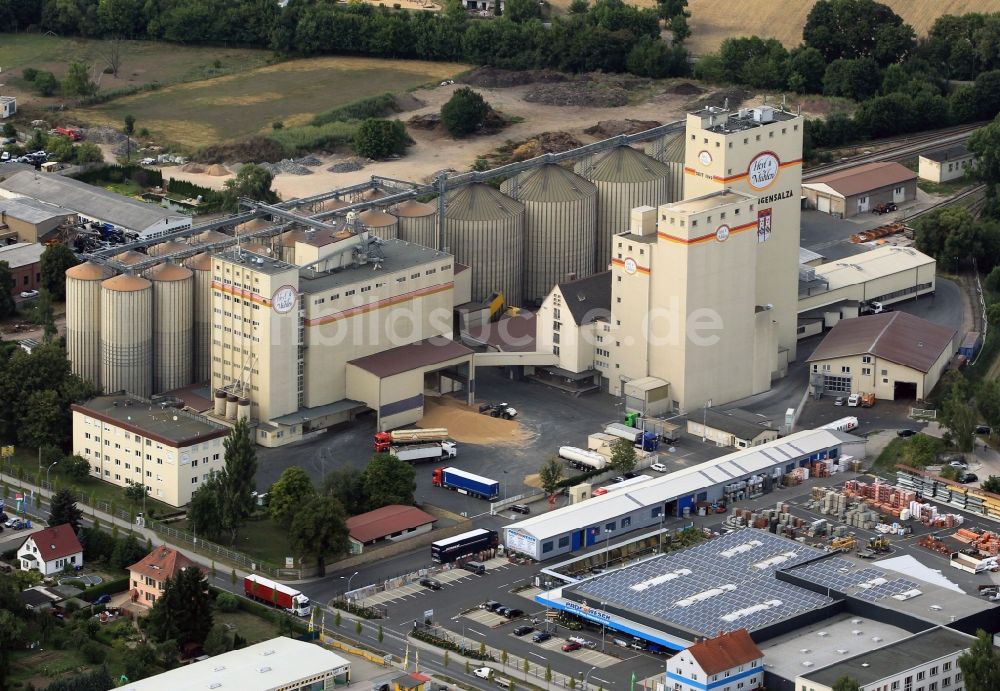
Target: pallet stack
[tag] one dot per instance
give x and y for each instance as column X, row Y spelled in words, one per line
column 884, row 498
column 986, row 542
column 833, row 504
column 861, row 517
column 934, row 544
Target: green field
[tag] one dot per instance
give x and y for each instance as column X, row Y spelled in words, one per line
column 233, row 106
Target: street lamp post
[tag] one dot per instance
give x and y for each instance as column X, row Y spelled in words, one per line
column 607, row 548
column 586, row 677
column 604, row 628
column 347, row 594
column 47, row 474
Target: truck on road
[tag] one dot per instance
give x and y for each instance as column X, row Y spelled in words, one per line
column 844, row 424
column 466, row 483
column 425, row 452
column 583, row 459
column 399, row 437
column 276, row 594
column 649, row 441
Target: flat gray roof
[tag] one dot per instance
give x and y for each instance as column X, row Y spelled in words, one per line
column 947, row 154
column 398, row 255
column 32, row 211
column 88, row 200
column 874, row 664
column 143, row 417
column 21, row 254
column 258, row 262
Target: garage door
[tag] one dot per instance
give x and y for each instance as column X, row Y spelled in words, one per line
column 898, row 194
column 863, row 204
column 823, row 204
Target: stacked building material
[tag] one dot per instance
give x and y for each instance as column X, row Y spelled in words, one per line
column 861, row 517
column 882, row 497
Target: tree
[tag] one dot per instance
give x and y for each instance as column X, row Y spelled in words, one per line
column 7, row 305
column 988, row 399
column 203, row 512
column 126, row 552
column 46, row 83
column 680, row 28
column 56, row 259
column 64, row 511
column 521, row 10
column 980, row 665
column 845, row 683
column 380, row 139
column 45, row 315
column 288, row 494
column 217, row 641
column 9, row 130
column 857, row 28
column 75, row 467
column 42, row 417
column 87, row 152
column 251, row 181
column 852, row 78
column 129, row 130
column 960, row 418
column 183, row 613
column 991, row 484
column 77, row 81
column 464, row 112
column 112, row 54
column 806, row 67
column 623, row 456
column 11, row 638
column 135, row 492
column 348, row 485
column 237, row 482
column 984, row 145
column 389, row 480
column 920, row 450
column 550, row 474
column 578, row 7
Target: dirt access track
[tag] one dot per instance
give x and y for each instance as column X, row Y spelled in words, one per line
column 434, row 151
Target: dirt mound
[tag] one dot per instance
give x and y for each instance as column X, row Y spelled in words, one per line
column 544, row 143
column 496, row 78
column 428, row 121
column 579, row 93
column 612, row 128
column 685, row 89
column 731, row 97
column 467, row 424
column 288, row 166
column 217, row 170
column 405, row 102
column 348, row 165
column 252, row 149
column 193, row 168
column 103, row 135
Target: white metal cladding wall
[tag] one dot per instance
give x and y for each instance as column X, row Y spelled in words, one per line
column 615, row 201
column 493, row 250
column 421, row 230
column 558, row 240
column 201, row 265
column 173, row 326
column 127, row 335
column 83, row 320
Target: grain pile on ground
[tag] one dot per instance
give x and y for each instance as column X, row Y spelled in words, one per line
column 578, row 93
column 468, row 425
column 612, row 128
column 193, row 168
column 496, row 78
column 217, row 170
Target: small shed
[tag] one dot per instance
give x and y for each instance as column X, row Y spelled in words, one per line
column 737, row 428
column 858, row 190
column 970, row 345
column 394, row 522
column 944, row 165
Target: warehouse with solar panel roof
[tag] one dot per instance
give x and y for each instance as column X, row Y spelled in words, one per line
column 769, row 585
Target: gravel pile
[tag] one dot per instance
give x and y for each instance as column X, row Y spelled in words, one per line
column 103, row 135
column 495, row 77
column 579, row 93
column 308, row 161
column 286, row 166
column 121, row 149
column 348, row 165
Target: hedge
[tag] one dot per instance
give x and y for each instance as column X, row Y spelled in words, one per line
column 445, row 644
column 117, row 585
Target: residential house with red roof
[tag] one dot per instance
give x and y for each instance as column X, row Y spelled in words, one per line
column 49, row 551
column 148, row 575
column 729, row 662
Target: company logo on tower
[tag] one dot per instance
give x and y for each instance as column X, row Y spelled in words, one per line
column 630, row 266
column 284, row 299
column 722, row 233
column 763, row 170
column 704, row 157
column 763, row 225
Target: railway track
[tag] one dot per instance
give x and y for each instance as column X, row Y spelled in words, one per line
column 900, row 148
column 973, row 199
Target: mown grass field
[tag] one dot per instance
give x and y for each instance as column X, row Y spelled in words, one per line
column 237, row 105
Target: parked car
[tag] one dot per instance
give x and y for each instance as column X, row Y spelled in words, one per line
column 9, row 523
column 430, row 583
column 102, row 599
column 658, row 467
column 959, row 465
column 840, row 400
column 483, row 672
column 983, row 429
column 968, row 477
column 29, row 293
column 513, row 612
column 905, row 432
column 147, row 161
column 490, row 605
column 5, row 156
column 523, row 630
column 854, row 400
column 520, row 508
column 502, row 611
column 618, row 478
column 629, row 476
column 884, row 208
column 570, row 646
column 541, row 637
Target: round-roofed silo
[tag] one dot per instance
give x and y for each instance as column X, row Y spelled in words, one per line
column 417, row 222
column 173, row 325
column 669, row 150
column 625, row 178
column 208, row 237
column 379, row 223
column 372, row 194
column 83, row 319
column 127, row 335
column 484, row 229
column 165, row 248
column 560, row 225
column 201, row 342
column 329, row 205
column 130, row 257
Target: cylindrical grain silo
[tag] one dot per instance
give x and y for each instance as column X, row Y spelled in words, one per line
column 201, row 342
column 669, row 150
column 372, row 194
column 220, row 403
column 379, row 223
column 127, row 335
column 130, row 257
column 484, row 229
column 232, row 403
column 625, row 179
column 328, row 205
column 560, row 225
column 165, row 248
column 257, row 248
column 252, row 225
column 243, row 409
column 83, row 319
column 417, row 223
column 208, row 237
column 173, row 326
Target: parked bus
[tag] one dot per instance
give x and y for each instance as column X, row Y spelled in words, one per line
column 450, row 549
